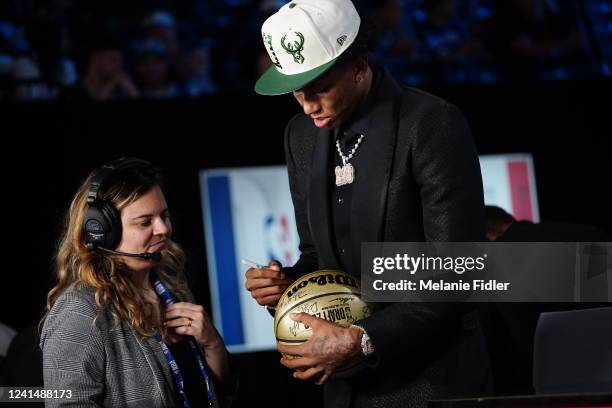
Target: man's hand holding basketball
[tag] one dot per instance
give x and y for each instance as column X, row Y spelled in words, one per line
column 266, row 284
column 330, row 347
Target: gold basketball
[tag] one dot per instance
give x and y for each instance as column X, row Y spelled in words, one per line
column 329, row 294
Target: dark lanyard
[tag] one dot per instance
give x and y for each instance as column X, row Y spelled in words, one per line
column 166, row 297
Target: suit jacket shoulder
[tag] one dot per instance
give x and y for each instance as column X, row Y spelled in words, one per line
column 75, row 306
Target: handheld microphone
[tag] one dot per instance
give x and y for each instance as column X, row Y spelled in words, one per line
column 147, row 256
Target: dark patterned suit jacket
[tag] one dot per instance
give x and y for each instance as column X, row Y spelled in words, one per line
column 417, row 179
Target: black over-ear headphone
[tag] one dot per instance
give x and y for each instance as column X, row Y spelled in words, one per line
column 102, row 223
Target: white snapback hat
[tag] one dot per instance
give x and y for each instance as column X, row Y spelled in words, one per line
column 304, row 39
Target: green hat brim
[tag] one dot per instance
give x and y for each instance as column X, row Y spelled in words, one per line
column 273, row 82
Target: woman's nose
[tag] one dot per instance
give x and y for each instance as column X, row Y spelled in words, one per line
column 161, row 227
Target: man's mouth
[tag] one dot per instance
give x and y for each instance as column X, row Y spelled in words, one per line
column 321, row 122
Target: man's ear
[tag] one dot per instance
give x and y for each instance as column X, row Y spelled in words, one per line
column 360, row 67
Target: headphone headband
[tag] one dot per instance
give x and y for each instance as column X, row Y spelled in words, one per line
column 102, row 223
column 102, row 173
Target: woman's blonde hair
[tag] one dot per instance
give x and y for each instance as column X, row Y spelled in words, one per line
column 107, row 274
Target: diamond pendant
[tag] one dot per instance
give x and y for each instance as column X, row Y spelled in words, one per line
column 344, row 174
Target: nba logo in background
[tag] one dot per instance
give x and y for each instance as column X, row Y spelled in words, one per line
column 280, row 239
column 248, row 214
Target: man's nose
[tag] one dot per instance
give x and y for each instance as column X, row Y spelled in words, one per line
column 310, row 103
column 311, row 106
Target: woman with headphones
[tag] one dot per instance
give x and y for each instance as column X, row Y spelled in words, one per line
column 121, row 326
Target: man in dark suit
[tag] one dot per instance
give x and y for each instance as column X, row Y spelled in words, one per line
column 371, row 160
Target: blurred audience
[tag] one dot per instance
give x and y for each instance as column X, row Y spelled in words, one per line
column 152, row 68
column 195, row 72
column 396, row 41
column 446, row 35
column 106, row 77
column 161, row 25
column 194, row 48
column 534, row 33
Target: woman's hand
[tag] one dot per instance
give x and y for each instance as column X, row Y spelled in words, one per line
column 188, row 319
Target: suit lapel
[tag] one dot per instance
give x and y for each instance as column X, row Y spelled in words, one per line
column 318, row 206
column 373, row 168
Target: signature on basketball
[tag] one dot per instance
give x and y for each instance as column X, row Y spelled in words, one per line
column 295, row 328
column 342, row 300
column 306, row 308
column 285, row 300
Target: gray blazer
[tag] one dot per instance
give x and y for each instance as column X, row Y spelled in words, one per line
column 101, row 358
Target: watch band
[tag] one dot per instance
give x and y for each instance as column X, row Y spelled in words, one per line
column 367, row 347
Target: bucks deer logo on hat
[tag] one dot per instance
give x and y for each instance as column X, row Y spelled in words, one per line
column 295, row 48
